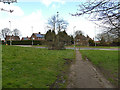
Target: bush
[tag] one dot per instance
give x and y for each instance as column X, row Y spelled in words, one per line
column 25, row 42
column 115, row 43
column 57, row 41
column 91, row 42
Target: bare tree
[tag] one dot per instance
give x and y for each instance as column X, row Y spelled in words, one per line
column 5, row 32
column 16, row 32
column 57, row 24
column 52, row 22
column 56, row 40
column 62, row 24
column 78, row 32
column 104, row 11
column 107, row 36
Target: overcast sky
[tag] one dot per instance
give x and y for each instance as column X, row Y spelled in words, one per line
column 28, row 13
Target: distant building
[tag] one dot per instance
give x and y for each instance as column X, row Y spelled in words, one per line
column 25, row 38
column 97, row 42
column 81, row 40
column 13, row 38
column 37, row 36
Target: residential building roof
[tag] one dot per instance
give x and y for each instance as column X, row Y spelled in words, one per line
column 38, row 35
column 25, row 38
column 12, row 37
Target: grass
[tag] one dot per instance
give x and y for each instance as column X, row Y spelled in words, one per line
column 107, row 61
column 25, row 67
column 0, row 66
column 94, row 46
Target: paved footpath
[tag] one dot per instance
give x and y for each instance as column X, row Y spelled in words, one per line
column 84, row 75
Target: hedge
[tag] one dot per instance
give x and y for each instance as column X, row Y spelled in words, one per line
column 25, row 42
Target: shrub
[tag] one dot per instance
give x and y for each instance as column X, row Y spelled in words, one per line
column 25, row 42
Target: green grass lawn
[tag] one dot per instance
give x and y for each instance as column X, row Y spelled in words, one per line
column 25, row 67
column 0, row 66
column 107, row 61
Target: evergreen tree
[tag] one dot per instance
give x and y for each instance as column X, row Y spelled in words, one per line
column 91, row 42
column 102, row 41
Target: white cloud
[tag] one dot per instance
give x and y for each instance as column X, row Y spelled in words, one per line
column 82, row 24
column 35, row 19
column 48, row 2
column 61, row 1
column 53, row 6
column 17, row 10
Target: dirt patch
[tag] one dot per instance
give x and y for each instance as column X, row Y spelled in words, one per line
column 62, row 77
column 60, row 80
column 67, row 61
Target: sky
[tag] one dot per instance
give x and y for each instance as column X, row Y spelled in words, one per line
column 35, row 13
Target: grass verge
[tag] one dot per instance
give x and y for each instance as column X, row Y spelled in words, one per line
column 25, row 67
column 106, row 61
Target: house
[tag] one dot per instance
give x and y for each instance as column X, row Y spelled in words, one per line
column 97, row 42
column 81, row 40
column 37, row 36
column 25, row 38
column 13, row 38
